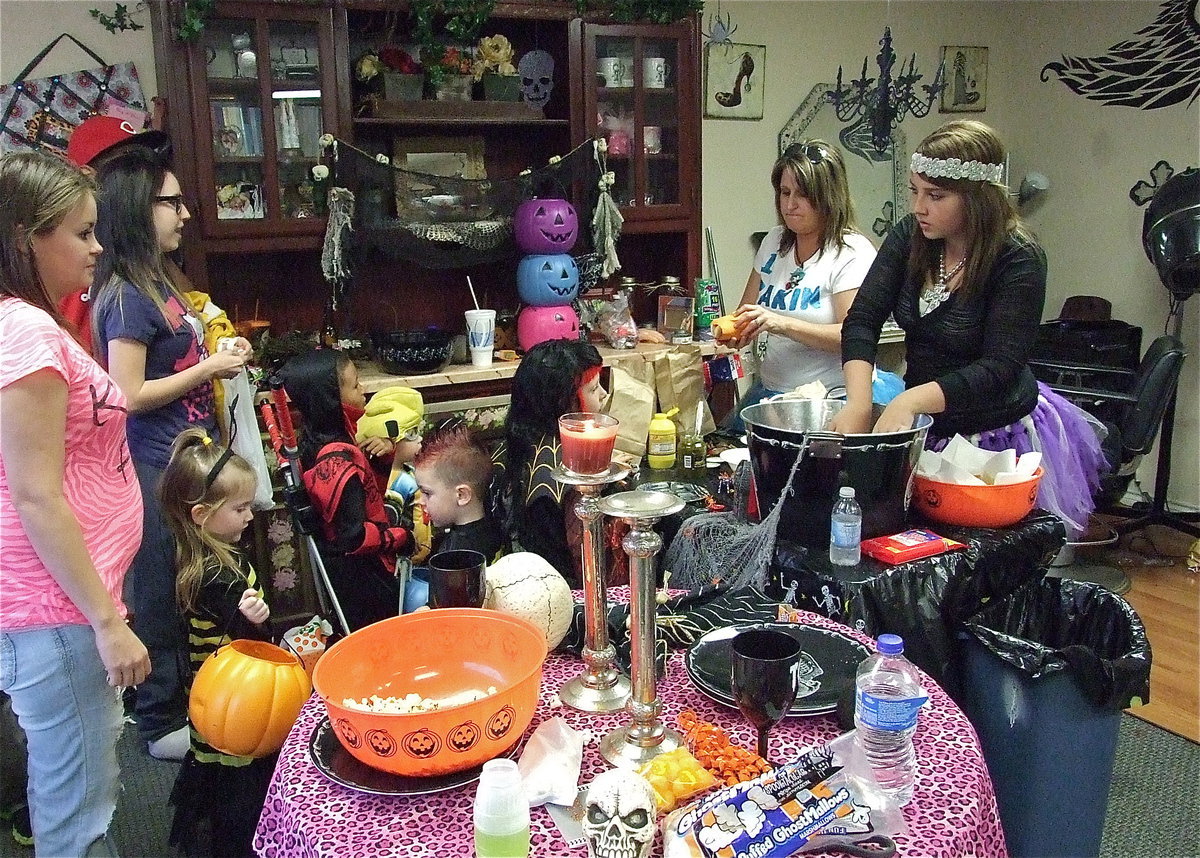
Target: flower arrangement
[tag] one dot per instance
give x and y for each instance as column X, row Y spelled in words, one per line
column 450, row 60
column 392, row 57
column 494, row 54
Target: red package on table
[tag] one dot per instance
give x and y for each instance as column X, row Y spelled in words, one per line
column 909, row 545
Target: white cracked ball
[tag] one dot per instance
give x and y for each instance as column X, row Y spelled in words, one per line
column 525, row 585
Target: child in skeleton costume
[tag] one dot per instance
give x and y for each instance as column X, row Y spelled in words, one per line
column 555, row 378
column 206, row 495
column 358, row 541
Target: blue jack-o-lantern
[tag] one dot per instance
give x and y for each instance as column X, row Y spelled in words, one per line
column 545, row 226
column 546, row 280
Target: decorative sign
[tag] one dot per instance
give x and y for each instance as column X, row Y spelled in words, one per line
column 1159, row 67
column 733, row 81
column 966, row 89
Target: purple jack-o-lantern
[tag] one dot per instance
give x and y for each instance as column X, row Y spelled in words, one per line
column 538, row 324
column 545, row 226
column 545, row 280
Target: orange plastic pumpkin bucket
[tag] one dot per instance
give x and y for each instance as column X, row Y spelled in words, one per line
column 247, row 696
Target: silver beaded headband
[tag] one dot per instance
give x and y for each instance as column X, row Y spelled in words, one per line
column 955, row 168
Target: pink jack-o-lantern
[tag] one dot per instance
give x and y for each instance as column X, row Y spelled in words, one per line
column 545, row 226
column 538, row 324
column 546, row 280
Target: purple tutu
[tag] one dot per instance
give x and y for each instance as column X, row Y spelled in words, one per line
column 1068, row 439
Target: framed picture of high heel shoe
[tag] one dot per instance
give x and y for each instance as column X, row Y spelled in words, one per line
column 966, row 79
column 733, row 80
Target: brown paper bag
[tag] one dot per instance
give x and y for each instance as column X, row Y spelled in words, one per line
column 631, row 401
column 679, row 381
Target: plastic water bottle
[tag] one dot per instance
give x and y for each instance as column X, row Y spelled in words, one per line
column 845, row 530
column 885, row 716
column 501, row 812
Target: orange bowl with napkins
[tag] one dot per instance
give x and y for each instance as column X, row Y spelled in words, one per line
column 433, row 692
column 975, row 506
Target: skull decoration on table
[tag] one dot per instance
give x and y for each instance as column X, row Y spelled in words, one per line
column 537, row 77
column 619, row 819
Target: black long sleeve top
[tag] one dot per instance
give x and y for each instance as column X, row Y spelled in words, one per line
column 974, row 348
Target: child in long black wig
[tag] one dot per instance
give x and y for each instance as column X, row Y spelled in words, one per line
column 206, row 493
column 555, row 378
column 358, row 541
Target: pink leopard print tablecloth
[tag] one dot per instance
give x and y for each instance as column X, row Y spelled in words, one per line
column 953, row 811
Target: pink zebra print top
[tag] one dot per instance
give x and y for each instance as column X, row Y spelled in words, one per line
column 98, row 477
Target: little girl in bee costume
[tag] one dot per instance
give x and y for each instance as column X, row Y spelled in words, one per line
column 359, row 542
column 206, row 494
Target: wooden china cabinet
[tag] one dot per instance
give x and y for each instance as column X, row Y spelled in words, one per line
column 247, row 100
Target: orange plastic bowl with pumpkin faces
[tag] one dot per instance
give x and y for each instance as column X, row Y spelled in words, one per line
column 438, row 655
column 975, row 506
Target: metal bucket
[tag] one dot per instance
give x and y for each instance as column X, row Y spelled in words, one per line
column 880, row 467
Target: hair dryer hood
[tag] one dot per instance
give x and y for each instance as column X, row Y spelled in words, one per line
column 1171, row 233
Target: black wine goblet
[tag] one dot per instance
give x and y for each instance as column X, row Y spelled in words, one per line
column 763, row 678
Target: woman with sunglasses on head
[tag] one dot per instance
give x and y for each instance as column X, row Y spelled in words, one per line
column 966, row 281
column 70, row 513
column 805, row 276
column 153, row 344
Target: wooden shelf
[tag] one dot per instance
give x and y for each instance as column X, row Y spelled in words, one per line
column 457, row 113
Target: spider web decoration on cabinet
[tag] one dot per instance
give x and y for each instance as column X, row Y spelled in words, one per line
column 447, row 221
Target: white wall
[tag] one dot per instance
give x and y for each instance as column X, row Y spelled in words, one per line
column 27, row 26
column 1093, row 154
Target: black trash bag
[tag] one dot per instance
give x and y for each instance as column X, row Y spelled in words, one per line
column 1058, row 624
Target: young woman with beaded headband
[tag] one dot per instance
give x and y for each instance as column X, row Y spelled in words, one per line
column 806, row 273
column 967, row 283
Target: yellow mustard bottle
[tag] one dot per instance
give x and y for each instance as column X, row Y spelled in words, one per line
column 660, row 450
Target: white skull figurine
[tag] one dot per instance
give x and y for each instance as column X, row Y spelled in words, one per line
column 620, row 815
column 537, row 77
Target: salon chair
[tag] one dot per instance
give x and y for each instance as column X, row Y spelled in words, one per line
column 1131, row 405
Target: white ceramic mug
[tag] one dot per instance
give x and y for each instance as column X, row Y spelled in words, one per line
column 615, row 71
column 652, row 139
column 481, row 335
column 654, row 72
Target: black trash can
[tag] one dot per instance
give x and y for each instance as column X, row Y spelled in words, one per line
column 1045, row 675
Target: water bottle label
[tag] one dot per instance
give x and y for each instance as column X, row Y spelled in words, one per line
column 845, row 533
column 889, row 713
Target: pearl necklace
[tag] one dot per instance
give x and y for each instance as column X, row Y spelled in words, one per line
column 939, row 291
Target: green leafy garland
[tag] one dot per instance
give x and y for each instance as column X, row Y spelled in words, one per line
column 120, row 20
column 655, row 11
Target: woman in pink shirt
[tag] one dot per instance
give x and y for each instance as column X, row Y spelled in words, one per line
column 70, row 513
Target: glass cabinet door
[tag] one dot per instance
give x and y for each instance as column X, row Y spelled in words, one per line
column 265, row 83
column 638, row 106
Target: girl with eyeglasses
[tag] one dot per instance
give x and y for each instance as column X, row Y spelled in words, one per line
column 966, row 280
column 805, row 275
column 152, row 341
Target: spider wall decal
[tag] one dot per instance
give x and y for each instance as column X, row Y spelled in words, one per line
column 720, row 29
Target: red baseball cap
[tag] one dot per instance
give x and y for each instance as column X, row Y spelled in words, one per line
column 98, row 134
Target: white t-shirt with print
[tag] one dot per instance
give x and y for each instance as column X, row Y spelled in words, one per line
column 806, row 292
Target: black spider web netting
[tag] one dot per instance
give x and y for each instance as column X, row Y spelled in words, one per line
column 450, row 222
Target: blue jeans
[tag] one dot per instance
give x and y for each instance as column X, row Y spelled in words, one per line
column 161, row 705
column 72, row 718
column 756, row 394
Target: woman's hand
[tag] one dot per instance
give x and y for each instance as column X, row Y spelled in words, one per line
column 376, row 447
column 896, row 417
column 124, row 656
column 224, row 364
column 853, row 419
column 752, row 320
column 253, row 608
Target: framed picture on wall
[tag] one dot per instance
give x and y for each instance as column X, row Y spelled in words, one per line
column 733, row 81
column 966, row 79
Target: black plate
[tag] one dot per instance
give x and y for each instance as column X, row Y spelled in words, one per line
column 828, row 660
column 335, row 763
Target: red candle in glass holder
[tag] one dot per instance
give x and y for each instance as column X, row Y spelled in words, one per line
column 587, row 442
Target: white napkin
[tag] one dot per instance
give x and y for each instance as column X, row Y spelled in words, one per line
column 550, row 763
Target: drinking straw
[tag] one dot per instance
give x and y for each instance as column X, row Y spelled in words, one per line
column 472, row 288
column 699, row 415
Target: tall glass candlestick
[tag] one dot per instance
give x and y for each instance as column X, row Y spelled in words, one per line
column 645, row 737
column 601, row 687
